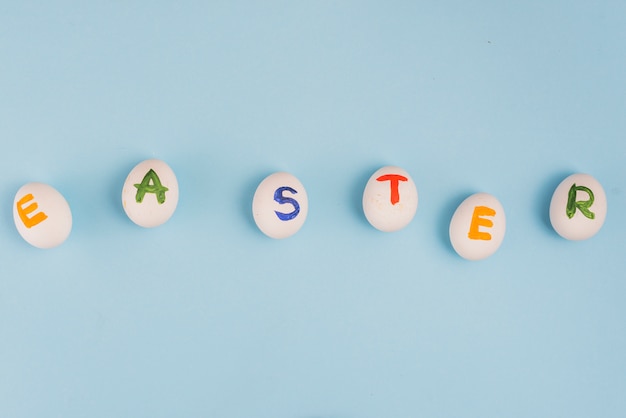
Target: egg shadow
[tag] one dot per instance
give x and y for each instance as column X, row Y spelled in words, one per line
column 115, row 187
column 246, row 195
column 94, row 195
column 356, row 193
column 543, row 197
column 8, row 195
column 445, row 216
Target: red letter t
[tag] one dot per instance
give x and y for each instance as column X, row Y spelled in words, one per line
column 394, row 179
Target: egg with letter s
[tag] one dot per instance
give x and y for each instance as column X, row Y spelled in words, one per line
column 280, row 205
column 42, row 216
column 478, row 226
column 150, row 193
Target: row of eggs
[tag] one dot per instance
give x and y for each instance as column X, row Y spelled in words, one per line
column 280, row 205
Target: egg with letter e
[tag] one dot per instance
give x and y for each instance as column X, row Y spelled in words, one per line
column 42, row 215
column 390, row 199
column 578, row 207
column 280, row 205
column 477, row 227
column 150, row 193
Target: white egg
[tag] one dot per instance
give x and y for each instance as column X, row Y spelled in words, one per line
column 390, row 199
column 578, row 207
column 280, row 205
column 42, row 215
column 477, row 227
column 150, row 193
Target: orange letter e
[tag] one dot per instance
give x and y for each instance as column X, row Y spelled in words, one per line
column 31, row 221
column 477, row 221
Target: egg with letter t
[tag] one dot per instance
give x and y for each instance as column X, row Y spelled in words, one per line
column 390, row 199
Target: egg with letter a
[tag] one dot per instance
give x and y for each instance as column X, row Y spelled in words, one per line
column 477, row 227
column 280, row 205
column 42, row 216
column 578, row 207
column 150, row 193
column 390, row 199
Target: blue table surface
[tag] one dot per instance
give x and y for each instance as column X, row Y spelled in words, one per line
column 205, row 316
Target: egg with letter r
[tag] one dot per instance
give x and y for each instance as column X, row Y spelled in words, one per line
column 578, row 207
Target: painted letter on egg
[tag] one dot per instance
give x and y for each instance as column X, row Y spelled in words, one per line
column 582, row 205
column 394, row 180
column 478, row 220
column 278, row 197
column 155, row 187
column 23, row 212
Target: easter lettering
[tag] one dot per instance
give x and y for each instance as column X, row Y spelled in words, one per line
column 23, row 212
column 278, row 197
column 478, row 220
column 382, row 207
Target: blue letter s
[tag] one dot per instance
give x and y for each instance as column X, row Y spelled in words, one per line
column 278, row 196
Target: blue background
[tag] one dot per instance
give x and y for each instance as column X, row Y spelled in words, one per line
column 205, row 316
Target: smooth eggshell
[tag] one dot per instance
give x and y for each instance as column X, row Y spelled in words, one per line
column 579, row 226
column 463, row 232
column 157, row 204
column 390, row 199
column 280, row 195
column 42, row 215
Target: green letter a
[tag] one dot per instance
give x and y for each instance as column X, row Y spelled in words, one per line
column 583, row 205
column 156, row 187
